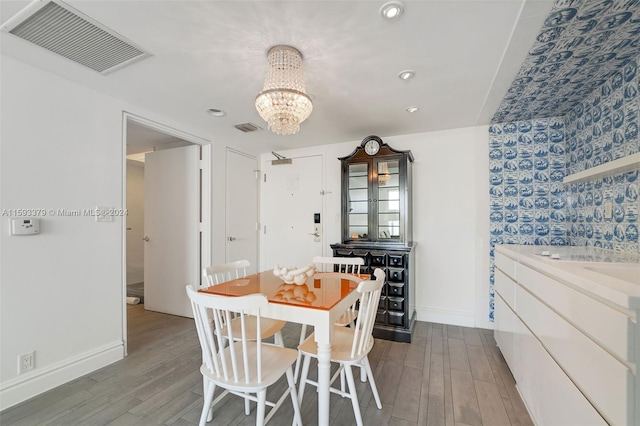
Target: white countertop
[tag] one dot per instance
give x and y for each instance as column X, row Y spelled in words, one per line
column 609, row 275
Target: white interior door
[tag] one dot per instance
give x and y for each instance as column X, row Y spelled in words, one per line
column 242, row 209
column 292, row 198
column 171, row 223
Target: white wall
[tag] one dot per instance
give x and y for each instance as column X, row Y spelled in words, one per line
column 450, row 218
column 61, row 292
column 135, row 222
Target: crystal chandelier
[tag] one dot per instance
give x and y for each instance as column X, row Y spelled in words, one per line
column 283, row 103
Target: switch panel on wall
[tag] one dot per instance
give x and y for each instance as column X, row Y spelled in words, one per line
column 25, row 226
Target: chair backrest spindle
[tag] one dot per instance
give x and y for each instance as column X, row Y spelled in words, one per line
column 369, row 300
column 347, row 265
column 217, row 274
column 241, row 359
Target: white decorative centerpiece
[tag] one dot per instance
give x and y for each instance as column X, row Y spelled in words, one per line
column 293, row 274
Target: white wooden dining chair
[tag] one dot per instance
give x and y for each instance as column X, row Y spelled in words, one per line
column 350, row 346
column 244, row 367
column 217, row 274
column 347, row 265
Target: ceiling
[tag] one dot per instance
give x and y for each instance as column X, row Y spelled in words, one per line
column 212, row 54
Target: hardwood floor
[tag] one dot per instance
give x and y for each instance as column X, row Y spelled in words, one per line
column 449, row 375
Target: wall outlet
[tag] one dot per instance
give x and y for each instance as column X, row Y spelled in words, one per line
column 26, row 362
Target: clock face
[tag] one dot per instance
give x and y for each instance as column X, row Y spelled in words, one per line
column 372, row 147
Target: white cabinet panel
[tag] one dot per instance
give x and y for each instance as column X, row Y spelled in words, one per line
column 506, row 264
column 592, row 369
column 572, row 351
column 584, row 312
column 505, row 286
column 504, row 333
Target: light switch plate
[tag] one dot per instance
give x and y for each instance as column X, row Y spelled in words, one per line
column 102, row 214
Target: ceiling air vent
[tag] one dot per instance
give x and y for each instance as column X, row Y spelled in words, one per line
column 61, row 29
column 247, row 127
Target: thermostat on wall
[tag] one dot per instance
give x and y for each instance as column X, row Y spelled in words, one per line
column 25, row 226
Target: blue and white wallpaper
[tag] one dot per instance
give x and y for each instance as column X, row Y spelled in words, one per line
column 573, row 105
column 527, row 197
column 580, row 45
column 602, row 128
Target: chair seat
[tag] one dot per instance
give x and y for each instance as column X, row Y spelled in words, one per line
column 347, row 318
column 275, row 361
column 268, row 326
column 340, row 346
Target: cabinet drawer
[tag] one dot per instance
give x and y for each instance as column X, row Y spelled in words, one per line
column 506, row 264
column 395, row 290
column 396, row 260
column 505, row 286
column 378, row 259
column 395, row 304
column 383, row 302
column 604, row 381
column 583, row 312
column 395, row 275
column 551, row 397
column 381, row 316
column 396, row 318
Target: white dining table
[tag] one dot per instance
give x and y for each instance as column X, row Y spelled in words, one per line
column 319, row 302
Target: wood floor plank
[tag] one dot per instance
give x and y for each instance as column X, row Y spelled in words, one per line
column 480, row 368
column 126, row 419
column 115, row 410
column 397, row 421
column 407, row 402
column 455, row 332
column 471, row 336
column 458, row 356
column 436, row 376
column 81, row 412
column 465, row 401
column 492, row 410
column 415, row 353
column 448, row 395
column 426, row 377
column 54, row 410
column 448, row 375
column 435, row 415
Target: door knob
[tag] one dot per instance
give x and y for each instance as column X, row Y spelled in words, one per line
column 232, row 238
column 315, row 234
column 146, row 238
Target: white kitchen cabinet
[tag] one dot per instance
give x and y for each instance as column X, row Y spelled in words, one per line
column 571, row 346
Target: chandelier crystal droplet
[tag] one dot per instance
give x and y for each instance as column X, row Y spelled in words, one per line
column 283, row 102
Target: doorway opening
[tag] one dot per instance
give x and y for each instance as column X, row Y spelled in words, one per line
column 161, row 165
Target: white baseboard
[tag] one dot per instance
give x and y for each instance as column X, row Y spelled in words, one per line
column 445, row 316
column 40, row 380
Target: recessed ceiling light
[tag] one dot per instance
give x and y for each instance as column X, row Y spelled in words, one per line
column 406, row 74
column 391, row 10
column 412, row 109
column 216, row 112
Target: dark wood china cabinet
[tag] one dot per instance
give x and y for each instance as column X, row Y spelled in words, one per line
column 377, row 226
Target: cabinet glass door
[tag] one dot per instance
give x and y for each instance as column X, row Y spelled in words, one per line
column 358, row 200
column 388, row 199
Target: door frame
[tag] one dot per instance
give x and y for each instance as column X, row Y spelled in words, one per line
column 205, row 199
